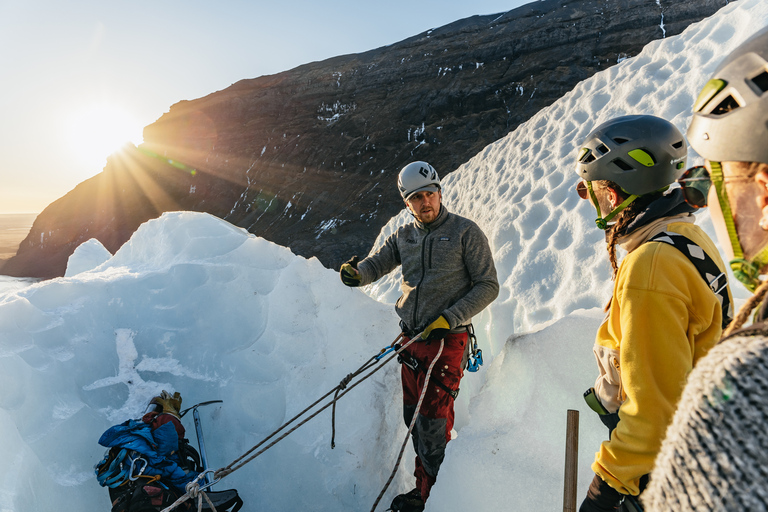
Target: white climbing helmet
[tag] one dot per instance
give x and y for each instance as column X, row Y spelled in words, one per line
column 730, row 116
column 415, row 177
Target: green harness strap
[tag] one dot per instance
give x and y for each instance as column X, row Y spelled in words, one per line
column 746, row 271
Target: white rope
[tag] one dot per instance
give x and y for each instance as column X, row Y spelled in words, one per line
column 410, row 427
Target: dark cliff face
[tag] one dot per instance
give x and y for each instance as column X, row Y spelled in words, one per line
column 308, row 158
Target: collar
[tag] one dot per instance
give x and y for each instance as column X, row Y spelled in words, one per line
column 672, row 203
column 638, row 237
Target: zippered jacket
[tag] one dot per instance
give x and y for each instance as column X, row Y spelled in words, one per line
column 447, row 270
column 663, row 318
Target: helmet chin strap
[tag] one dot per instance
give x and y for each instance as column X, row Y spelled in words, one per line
column 746, row 271
column 602, row 222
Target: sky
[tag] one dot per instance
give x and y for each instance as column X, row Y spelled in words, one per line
column 89, row 350
column 80, row 78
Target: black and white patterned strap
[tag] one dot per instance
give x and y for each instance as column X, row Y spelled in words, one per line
column 715, row 278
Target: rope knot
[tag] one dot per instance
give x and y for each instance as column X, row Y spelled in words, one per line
column 192, row 488
column 345, row 381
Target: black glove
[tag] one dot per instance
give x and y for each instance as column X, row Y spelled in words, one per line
column 601, row 497
column 437, row 329
column 349, row 274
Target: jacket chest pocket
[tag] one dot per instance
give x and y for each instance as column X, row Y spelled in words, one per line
column 444, row 254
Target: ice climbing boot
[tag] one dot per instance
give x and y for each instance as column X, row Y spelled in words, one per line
column 409, row 502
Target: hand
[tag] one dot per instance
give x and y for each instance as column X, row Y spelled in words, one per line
column 170, row 404
column 349, row 274
column 438, row 329
column 601, row 497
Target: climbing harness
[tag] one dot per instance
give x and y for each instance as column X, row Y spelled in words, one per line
column 415, row 365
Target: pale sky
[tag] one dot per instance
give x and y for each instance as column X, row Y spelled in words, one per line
column 65, row 66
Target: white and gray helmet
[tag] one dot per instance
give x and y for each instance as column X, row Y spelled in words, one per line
column 730, row 116
column 415, row 177
column 640, row 153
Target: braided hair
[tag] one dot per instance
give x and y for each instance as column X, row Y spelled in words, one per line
column 623, row 219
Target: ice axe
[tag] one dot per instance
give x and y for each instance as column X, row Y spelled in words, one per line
column 200, row 440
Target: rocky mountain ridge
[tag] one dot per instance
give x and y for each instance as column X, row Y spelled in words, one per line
column 308, row 158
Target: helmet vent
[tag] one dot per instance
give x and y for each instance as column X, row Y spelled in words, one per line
column 602, row 149
column 621, row 164
column 678, row 144
column 726, row 106
column 761, row 81
column 589, row 157
column 620, row 140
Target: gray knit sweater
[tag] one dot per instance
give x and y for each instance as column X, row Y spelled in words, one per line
column 715, row 455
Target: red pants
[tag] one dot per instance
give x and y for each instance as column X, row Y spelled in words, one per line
column 434, row 421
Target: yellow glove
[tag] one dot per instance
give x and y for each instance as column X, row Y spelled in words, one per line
column 170, row 404
column 438, row 329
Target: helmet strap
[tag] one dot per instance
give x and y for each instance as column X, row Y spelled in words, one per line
column 746, row 271
column 602, row 222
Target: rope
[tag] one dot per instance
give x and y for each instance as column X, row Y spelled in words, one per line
column 743, row 315
column 242, row 461
column 193, row 488
column 193, row 491
column 410, row 427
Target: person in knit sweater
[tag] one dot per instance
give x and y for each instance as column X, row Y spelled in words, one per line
column 715, row 454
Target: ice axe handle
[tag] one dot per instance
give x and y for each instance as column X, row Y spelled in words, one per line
column 571, row 461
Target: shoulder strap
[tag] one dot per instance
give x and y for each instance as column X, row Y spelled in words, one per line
column 715, row 278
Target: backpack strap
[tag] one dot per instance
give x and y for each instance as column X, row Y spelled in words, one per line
column 715, row 278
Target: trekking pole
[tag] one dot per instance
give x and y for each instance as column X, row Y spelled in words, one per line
column 571, row 461
column 201, row 440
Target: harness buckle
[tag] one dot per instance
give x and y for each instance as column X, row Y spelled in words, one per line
column 408, row 360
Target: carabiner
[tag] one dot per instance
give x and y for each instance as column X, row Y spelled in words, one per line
column 133, row 465
column 475, row 360
column 387, row 350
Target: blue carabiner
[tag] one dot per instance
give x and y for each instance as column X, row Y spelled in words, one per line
column 385, row 351
column 475, row 360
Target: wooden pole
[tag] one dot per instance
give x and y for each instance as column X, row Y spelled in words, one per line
column 571, row 461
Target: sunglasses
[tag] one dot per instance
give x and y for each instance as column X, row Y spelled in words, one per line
column 581, row 189
column 695, row 183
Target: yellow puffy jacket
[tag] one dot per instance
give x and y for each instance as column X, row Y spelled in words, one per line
column 663, row 317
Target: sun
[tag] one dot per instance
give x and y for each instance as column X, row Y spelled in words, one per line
column 96, row 131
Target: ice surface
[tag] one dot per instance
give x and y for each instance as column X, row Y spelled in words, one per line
column 87, row 256
column 195, row 305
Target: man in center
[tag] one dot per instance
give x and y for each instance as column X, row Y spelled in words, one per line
column 448, row 277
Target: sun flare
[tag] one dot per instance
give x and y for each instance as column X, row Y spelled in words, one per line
column 98, row 130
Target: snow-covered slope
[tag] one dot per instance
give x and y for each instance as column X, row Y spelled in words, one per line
column 194, row 305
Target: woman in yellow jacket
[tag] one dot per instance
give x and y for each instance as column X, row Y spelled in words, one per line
column 670, row 296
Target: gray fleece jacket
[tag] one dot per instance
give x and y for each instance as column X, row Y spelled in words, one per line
column 447, row 270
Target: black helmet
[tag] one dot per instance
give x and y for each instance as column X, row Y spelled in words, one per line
column 730, row 115
column 640, row 153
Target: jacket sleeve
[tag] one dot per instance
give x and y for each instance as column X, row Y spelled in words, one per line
column 656, row 356
column 484, row 289
column 380, row 263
